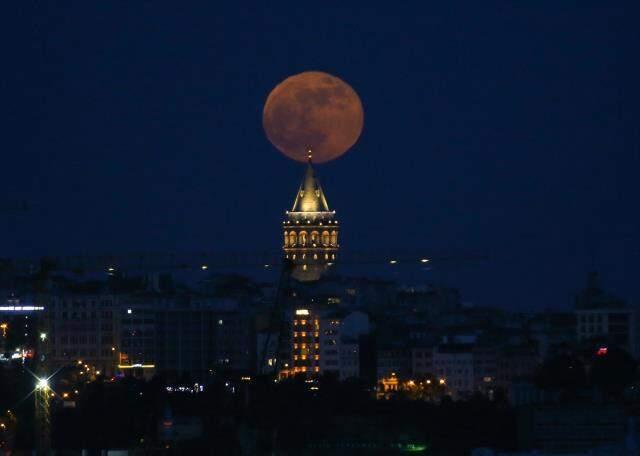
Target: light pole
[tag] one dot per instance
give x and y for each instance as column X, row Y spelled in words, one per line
column 43, row 417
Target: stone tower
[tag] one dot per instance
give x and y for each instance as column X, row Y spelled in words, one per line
column 310, row 230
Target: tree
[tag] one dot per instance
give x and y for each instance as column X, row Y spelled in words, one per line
column 612, row 369
column 563, row 372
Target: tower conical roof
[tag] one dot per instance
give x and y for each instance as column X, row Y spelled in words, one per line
column 310, row 197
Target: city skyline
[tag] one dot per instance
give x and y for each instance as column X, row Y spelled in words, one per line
column 523, row 148
column 313, row 229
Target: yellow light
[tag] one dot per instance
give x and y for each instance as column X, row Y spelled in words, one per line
column 65, row 395
column 134, row 366
column 302, row 312
column 79, row 361
column 442, row 381
column 42, row 384
column 113, row 348
column 428, row 382
column 97, row 372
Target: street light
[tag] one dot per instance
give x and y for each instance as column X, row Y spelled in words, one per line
column 43, row 384
column 43, row 336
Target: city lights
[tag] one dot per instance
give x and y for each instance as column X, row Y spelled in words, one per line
column 20, row 308
column 42, row 384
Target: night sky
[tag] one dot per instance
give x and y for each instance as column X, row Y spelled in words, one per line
column 489, row 127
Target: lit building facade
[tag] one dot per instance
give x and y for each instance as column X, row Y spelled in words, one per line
column 83, row 327
column 306, row 342
column 310, row 231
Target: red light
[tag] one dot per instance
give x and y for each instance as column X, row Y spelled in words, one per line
column 602, row 351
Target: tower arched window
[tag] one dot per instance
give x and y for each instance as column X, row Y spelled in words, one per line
column 315, row 237
column 286, row 239
column 334, row 238
column 303, row 238
column 293, row 239
column 326, row 238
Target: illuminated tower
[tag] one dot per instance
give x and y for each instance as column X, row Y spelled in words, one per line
column 310, row 231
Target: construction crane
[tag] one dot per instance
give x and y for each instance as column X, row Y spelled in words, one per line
column 120, row 263
column 276, row 319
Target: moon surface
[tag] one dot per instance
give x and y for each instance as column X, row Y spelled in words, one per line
column 313, row 110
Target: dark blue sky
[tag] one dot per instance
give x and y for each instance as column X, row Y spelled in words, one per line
column 509, row 130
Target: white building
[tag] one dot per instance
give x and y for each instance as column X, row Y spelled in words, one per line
column 602, row 316
column 454, row 364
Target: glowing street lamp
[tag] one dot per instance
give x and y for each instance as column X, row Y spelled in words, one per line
column 43, row 384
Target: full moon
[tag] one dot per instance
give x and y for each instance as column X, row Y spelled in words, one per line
column 313, row 110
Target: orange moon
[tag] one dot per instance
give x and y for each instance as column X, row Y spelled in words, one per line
column 313, row 110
